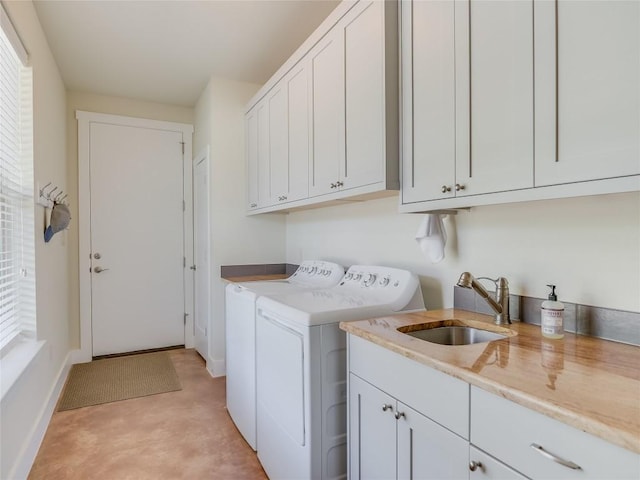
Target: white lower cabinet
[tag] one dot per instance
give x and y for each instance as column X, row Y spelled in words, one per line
column 428, row 450
column 541, row 447
column 404, row 429
column 485, row 467
column 372, row 431
column 409, row 421
column 391, row 440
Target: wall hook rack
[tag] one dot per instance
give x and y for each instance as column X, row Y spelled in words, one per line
column 50, row 194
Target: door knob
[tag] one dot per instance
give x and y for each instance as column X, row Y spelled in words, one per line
column 100, row 269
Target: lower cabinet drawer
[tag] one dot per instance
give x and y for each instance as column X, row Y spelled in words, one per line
column 541, row 447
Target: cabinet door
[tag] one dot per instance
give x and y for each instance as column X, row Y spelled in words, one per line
column 251, row 127
column 364, row 95
column 488, row 468
column 428, row 100
column 588, row 110
column 427, row 450
column 297, row 83
column 494, row 96
column 278, row 144
column 327, row 77
column 263, row 161
column 372, row 432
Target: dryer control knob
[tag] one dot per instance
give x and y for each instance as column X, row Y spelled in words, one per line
column 357, row 276
column 369, row 280
column 384, row 281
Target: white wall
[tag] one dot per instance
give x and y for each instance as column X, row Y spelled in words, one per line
column 235, row 238
column 589, row 246
column 26, row 402
column 115, row 106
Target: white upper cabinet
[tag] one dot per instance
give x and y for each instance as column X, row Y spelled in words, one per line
column 494, row 96
column 349, row 109
column 333, row 112
column 327, row 73
column 428, row 100
column 278, row 143
column 467, row 89
column 507, row 101
column 264, row 163
column 298, row 89
column 364, row 84
column 251, row 132
column 289, row 137
column 257, row 145
column 587, row 90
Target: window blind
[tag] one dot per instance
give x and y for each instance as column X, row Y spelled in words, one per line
column 17, row 252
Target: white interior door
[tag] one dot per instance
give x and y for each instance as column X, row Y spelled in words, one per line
column 202, row 251
column 137, row 238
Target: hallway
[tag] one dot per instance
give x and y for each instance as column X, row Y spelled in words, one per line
column 175, row 435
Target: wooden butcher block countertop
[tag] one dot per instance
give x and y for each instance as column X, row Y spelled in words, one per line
column 588, row 383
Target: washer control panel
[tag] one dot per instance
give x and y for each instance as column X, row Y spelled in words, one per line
column 373, row 284
column 370, row 276
column 317, row 273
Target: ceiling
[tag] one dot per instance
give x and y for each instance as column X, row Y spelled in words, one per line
column 166, row 50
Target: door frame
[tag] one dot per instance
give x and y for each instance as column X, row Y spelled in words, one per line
column 85, row 119
column 202, row 157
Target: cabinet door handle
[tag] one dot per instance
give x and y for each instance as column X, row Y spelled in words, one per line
column 386, row 407
column 339, row 183
column 445, row 189
column 551, row 456
column 398, row 415
column 254, row 205
column 473, row 465
column 333, row 185
column 459, row 187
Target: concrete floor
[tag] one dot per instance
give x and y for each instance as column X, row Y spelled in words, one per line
column 177, row 435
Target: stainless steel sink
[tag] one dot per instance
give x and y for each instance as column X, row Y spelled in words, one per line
column 454, row 332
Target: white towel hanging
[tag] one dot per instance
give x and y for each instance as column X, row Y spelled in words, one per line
column 432, row 237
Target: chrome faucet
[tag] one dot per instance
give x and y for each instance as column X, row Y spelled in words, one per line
column 500, row 305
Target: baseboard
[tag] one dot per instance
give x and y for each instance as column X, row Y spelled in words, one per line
column 216, row 368
column 25, row 462
column 78, row 356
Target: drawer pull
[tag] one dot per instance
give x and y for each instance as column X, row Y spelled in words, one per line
column 399, row 415
column 551, row 456
column 386, row 407
column 473, row 465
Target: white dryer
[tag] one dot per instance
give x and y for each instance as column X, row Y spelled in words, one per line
column 240, row 311
column 302, row 371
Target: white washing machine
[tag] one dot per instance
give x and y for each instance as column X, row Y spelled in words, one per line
column 302, row 371
column 240, row 311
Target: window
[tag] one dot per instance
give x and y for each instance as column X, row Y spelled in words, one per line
column 17, row 248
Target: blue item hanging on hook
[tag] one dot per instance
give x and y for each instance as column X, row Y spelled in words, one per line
column 60, row 218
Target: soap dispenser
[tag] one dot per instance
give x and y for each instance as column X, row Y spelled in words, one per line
column 552, row 316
